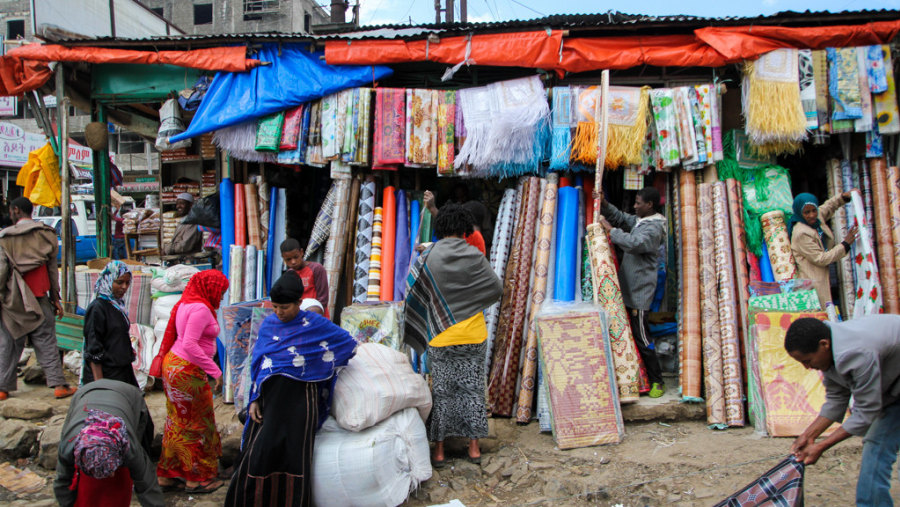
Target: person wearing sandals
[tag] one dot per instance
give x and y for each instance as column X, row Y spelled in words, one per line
column 448, row 288
column 293, row 371
column 191, row 445
column 104, row 449
column 107, row 344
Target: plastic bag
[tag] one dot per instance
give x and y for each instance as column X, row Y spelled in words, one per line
column 170, row 124
column 205, row 212
column 190, row 99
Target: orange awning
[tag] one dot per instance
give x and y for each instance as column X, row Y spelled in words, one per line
column 706, row 47
column 26, row 68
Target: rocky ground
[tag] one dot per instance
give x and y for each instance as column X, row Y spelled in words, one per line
column 668, row 457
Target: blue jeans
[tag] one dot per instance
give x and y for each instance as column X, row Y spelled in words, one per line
column 118, row 250
column 880, row 447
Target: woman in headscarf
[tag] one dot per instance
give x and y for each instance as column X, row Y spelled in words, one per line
column 293, row 371
column 104, row 449
column 813, row 243
column 107, row 344
column 191, row 445
column 449, row 287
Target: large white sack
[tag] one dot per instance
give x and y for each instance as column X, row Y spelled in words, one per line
column 173, row 279
column 377, row 382
column 379, row 466
column 162, row 308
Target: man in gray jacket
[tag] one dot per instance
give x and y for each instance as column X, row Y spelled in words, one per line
column 639, row 236
column 859, row 358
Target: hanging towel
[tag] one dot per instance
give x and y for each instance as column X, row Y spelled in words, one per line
column 808, row 87
column 421, row 127
column 446, row 137
column 348, row 104
column 561, row 128
column 363, row 128
column 314, row 156
column 627, row 125
column 329, row 126
column 584, row 143
column 340, row 170
column 875, row 69
column 373, row 293
column 322, row 225
column 474, row 129
column 665, row 121
column 364, row 222
column 823, row 102
column 775, row 121
column 697, row 117
column 520, row 128
column 290, row 132
column 886, row 111
column 268, row 132
column 389, row 144
column 239, row 141
column 705, row 105
column 687, row 136
column 843, row 83
column 864, row 123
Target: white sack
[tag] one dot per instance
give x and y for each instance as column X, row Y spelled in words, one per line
column 377, row 383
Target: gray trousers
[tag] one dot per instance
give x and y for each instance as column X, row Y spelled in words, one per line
column 43, row 339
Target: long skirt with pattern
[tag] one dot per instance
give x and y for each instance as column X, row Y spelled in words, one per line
column 458, row 383
column 276, row 460
column 190, row 444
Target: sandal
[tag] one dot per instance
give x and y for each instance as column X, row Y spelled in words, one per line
column 205, row 487
column 175, row 485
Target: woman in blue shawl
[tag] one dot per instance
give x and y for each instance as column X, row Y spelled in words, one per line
column 813, row 243
column 293, row 371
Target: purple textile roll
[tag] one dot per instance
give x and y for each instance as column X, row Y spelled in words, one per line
column 401, row 251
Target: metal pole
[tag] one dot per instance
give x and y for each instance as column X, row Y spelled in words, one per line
column 448, row 13
column 463, row 11
column 101, row 189
column 437, row 12
column 66, row 233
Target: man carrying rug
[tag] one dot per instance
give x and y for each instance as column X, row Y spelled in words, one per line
column 639, row 236
column 858, row 358
column 29, row 297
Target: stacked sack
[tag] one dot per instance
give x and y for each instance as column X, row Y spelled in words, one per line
column 167, row 287
column 131, row 221
column 169, row 224
column 374, row 449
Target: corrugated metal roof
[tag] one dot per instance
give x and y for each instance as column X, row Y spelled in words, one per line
column 611, row 21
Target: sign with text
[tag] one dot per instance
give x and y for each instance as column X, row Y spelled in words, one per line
column 8, row 106
column 16, row 144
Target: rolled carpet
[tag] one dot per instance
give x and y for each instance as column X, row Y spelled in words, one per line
column 739, row 251
column 608, row 294
column 709, row 307
column 226, row 217
column 566, row 244
column 249, row 274
column 887, row 269
column 251, row 204
column 401, row 252
column 538, row 293
column 240, row 216
column 893, row 189
column 779, row 245
column 322, row 225
column 336, row 244
column 364, row 223
column 373, row 293
column 728, row 312
column 690, row 338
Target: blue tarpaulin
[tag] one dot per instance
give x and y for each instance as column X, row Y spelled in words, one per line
column 295, row 76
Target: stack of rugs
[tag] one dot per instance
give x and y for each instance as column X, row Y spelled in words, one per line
column 252, row 250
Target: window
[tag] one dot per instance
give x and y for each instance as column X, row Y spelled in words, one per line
column 203, row 14
column 307, row 21
column 253, row 6
column 158, row 10
column 130, row 142
column 15, row 28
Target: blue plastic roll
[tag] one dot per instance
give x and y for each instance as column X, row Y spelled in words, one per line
column 270, row 240
column 765, row 265
column 401, row 254
column 566, row 244
column 414, row 217
column 226, row 215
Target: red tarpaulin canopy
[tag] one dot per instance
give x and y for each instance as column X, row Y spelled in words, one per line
column 706, row 47
column 26, row 68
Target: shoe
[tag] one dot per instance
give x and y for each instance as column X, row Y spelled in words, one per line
column 657, row 390
column 64, row 392
column 205, row 487
column 3, row 395
column 476, row 461
column 438, row 463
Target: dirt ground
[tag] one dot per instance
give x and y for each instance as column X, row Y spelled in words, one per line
column 679, row 463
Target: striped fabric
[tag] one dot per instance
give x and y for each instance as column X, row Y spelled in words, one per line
column 782, row 486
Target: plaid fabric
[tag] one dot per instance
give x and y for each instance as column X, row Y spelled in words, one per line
column 213, row 237
column 781, row 486
column 137, row 299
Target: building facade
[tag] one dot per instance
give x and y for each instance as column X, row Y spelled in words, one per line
column 240, row 16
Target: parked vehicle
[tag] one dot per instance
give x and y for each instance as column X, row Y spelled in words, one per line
column 84, row 225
